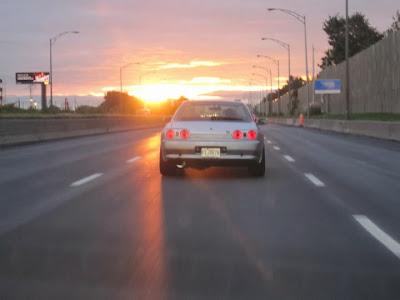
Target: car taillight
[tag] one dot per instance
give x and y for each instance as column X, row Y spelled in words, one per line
column 237, row 134
column 170, row 134
column 184, row 134
column 252, row 135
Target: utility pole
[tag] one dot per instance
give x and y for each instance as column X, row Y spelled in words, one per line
column 313, row 74
column 347, row 63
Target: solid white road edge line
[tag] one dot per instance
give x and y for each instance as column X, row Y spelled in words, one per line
column 129, row 161
column 86, row 180
column 277, row 148
column 314, row 179
column 289, row 158
column 379, row 234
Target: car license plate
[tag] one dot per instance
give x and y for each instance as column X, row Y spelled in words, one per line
column 210, row 152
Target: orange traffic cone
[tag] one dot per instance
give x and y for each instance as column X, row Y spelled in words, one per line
column 301, row 120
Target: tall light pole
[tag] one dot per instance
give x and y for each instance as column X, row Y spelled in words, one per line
column 302, row 19
column 270, row 85
column 251, row 95
column 287, row 47
column 270, row 75
column 140, row 83
column 313, row 74
column 266, row 84
column 275, row 61
column 347, row 63
column 145, row 74
column 52, row 41
column 1, row 93
column 120, row 82
column 266, row 77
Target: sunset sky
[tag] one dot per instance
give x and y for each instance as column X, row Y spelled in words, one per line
column 199, row 49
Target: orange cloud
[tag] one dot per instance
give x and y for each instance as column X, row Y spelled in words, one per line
column 192, row 64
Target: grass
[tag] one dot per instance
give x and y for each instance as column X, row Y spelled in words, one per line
column 361, row 117
column 76, row 116
column 62, row 116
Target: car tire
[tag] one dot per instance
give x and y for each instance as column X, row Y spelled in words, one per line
column 166, row 168
column 258, row 169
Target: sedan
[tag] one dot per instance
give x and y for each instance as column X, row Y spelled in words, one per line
column 204, row 134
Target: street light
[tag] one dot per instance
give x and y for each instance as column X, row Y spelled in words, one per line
column 145, row 74
column 266, row 85
column 270, row 80
column 140, row 83
column 302, row 19
column 1, row 93
column 287, row 47
column 52, row 41
column 251, row 95
column 120, row 82
column 275, row 61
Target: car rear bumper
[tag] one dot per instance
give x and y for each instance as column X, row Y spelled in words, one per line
column 233, row 153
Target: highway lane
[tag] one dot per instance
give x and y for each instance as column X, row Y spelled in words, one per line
column 214, row 234
column 360, row 173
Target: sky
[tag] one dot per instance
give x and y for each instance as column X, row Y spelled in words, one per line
column 195, row 48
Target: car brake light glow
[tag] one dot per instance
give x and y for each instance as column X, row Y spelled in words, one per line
column 170, row 134
column 184, row 134
column 237, row 134
column 252, row 135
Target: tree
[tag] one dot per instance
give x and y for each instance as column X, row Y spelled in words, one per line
column 112, row 103
column 167, row 107
column 361, row 36
column 395, row 25
column 295, row 83
column 86, row 109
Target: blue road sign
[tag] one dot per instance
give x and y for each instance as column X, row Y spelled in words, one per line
column 327, row 86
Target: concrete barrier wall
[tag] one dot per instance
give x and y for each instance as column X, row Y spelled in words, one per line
column 20, row 131
column 374, row 82
column 381, row 130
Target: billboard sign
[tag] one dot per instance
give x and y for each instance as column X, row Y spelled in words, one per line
column 327, row 86
column 32, row 77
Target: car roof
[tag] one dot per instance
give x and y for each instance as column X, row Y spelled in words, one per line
column 214, row 102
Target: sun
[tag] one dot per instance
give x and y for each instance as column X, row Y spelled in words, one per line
column 156, row 93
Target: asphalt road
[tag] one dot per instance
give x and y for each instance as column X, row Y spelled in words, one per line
column 91, row 218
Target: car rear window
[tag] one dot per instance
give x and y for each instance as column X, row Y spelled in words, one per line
column 212, row 112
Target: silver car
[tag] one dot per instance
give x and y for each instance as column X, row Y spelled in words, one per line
column 203, row 134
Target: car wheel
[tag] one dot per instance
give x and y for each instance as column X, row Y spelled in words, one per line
column 258, row 169
column 166, row 168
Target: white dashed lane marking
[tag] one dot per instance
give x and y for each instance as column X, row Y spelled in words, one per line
column 269, row 142
column 277, row 148
column 129, row 161
column 86, row 179
column 379, row 234
column 289, row 158
column 314, row 180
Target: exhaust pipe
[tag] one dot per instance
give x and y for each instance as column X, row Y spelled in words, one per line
column 181, row 165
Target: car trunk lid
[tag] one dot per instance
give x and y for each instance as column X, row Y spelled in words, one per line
column 212, row 129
